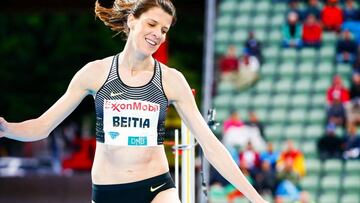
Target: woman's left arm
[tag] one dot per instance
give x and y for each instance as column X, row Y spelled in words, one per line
column 179, row 92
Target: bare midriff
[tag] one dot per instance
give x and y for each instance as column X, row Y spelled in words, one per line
column 123, row 164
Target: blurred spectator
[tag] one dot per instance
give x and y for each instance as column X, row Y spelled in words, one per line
column 312, row 32
column 329, row 145
column 254, row 122
column 332, row 16
column 293, row 6
column 291, row 31
column 248, row 71
column 288, row 172
column 337, row 90
column 350, row 12
column 292, row 154
column 313, row 8
column 355, row 86
column 336, row 113
column 229, row 65
column 353, row 112
column 305, row 198
column 288, row 180
column 352, row 144
column 250, row 157
column 233, row 121
column 253, row 47
column 346, row 48
column 356, row 64
column 270, row 155
column 265, row 179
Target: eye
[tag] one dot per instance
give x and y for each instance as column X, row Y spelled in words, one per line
column 151, row 24
column 164, row 31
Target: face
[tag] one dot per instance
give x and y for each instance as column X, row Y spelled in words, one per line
column 149, row 31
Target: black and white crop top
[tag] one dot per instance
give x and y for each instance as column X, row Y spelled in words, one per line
column 131, row 116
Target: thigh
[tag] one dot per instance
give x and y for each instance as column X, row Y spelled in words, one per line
column 166, row 196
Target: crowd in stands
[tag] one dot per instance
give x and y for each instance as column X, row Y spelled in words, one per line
column 242, row 70
column 279, row 172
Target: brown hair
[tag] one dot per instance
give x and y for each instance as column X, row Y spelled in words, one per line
column 116, row 16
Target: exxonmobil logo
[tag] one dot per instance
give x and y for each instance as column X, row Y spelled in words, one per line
column 118, row 106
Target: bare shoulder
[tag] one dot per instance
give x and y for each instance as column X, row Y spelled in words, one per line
column 171, row 74
column 94, row 74
column 174, row 82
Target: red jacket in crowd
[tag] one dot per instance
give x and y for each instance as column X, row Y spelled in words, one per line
column 229, row 64
column 312, row 33
column 332, row 16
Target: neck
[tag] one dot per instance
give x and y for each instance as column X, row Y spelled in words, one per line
column 134, row 60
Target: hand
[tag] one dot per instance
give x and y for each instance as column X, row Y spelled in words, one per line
column 3, row 125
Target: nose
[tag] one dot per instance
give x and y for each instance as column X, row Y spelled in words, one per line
column 157, row 33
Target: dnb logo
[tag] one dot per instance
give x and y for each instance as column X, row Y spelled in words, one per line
column 114, row 135
column 137, row 141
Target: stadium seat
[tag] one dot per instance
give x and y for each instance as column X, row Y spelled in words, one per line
column 327, row 53
column 293, row 132
column 329, row 38
column 222, row 36
column 239, row 36
column 242, row 21
column 274, row 132
column 278, row 115
column 224, row 21
column 283, row 86
column 227, row 7
column 309, row 149
column 325, row 69
column 352, row 167
column 263, row 7
column 225, row 87
column 350, row 198
column 222, row 114
column 308, row 54
column 260, row 21
column 280, row 100
column 289, row 55
column 352, row 183
column 274, row 37
column 303, row 85
column 313, row 166
column 217, row 194
column 310, row 183
column 306, row 68
column 271, row 54
column 333, row 166
column 331, row 183
column 222, row 100
column 322, row 84
column 260, row 100
column 318, row 100
column 297, row 115
column 246, row 7
column 264, row 86
column 300, row 100
column 328, row 198
column 277, row 21
column 313, row 132
column 317, row 116
column 287, row 69
column 241, row 100
column 279, row 8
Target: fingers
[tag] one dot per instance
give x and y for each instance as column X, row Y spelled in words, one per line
column 2, row 127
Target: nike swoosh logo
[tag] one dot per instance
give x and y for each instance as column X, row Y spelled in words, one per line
column 112, row 94
column 158, row 187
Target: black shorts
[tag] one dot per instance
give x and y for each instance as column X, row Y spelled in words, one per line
column 143, row 191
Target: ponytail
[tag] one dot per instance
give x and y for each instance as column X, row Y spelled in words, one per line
column 116, row 16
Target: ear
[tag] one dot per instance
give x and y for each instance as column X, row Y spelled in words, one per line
column 131, row 21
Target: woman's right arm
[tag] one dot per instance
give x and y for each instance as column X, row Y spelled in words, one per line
column 39, row 128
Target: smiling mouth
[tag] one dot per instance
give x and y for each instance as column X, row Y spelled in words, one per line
column 150, row 42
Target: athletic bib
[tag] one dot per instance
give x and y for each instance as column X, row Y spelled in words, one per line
column 131, row 123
